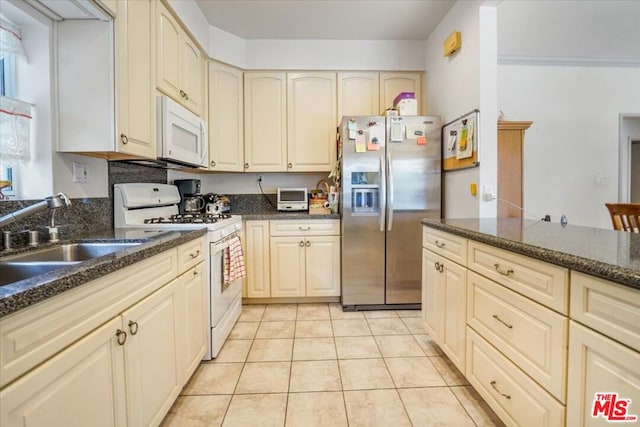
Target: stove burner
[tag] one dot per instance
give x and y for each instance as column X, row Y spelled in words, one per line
column 197, row 218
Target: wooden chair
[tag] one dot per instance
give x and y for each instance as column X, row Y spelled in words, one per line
column 625, row 216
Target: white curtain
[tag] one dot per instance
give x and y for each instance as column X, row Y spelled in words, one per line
column 15, row 129
column 10, row 38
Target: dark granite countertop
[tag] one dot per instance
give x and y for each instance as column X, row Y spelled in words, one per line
column 609, row 254
column 272, row 214
column 24, row 293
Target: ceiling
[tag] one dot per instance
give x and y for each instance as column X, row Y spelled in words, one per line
column 327, row 19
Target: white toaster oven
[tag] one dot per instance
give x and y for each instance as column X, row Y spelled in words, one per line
column 292, row 199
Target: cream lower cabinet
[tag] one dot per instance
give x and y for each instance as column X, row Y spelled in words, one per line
column 257, row 260
column 127, row 370
column 444, row 304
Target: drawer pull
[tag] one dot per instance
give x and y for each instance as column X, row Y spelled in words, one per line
column 495, row 316
column 122, row 336
column 438, row 244
column 304, row 228
column 196, row 255
column 504, row 273
column 133, row 327
column 506, row 396
column 439, row 267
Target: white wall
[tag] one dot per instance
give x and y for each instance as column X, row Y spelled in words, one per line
column 574, row 136
column 336, row 54
column 247, row 183
column 227, row 47
column 458, row 84
column 193, row 18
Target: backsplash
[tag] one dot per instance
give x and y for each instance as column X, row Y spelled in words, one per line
column 85, row 215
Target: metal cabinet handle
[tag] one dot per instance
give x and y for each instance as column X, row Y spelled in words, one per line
column 195, row 272
column 504, row 273
column 304, row 228
column 186, row 96
column 133, row 327
column 495, row 316
column 493, row 384
column 439, row 244
column 301, row 244
column 289, row 165
column 121, row 336
column 308, row 243
column 246, row 165
column 124, row 139
column 197, row 254
column 182, row 94
column 213, row 164
column 437, row 265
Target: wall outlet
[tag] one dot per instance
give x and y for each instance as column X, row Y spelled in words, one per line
column 600, row 179
column 259, row 178
column 489, row 193
column 80, row 172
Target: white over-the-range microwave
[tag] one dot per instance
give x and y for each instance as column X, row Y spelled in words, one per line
column 182, row 136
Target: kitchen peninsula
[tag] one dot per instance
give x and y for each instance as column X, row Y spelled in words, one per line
column 538, row 316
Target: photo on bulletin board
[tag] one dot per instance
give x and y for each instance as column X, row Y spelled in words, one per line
column 460, row 142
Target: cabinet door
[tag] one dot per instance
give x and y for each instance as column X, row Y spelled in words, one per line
column 287, row 267
column 322, row 266
column 598, row 364
column 265, row 122
column 454, row 306
column 152, row 367
column 169, row 48
column 81, row 386
column 258, row 284
column 392, row 84
column 192, row 76
column 226, row 128
column 358, row 94
column 135, row 78
column 431, row 294
column 193, row 333
column 311, row 121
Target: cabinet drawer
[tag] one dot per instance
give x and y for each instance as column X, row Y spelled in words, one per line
column 612, row 309
column 30, row 336
column 445, row 244
column 190, row 254
column 532, row 336
column 515, row 398
column 545, row 283
column 305, row 227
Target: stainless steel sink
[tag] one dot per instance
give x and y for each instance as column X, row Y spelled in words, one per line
column 30, row 264
column 15, row 271
column 71, row 252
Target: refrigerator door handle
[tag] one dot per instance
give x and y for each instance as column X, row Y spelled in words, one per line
column 383, row 194
column 390, row 203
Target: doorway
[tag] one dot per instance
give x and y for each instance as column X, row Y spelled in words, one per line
column 629, row 159
column 634, row 169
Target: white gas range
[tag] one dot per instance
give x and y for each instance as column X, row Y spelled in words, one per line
column 155, row 207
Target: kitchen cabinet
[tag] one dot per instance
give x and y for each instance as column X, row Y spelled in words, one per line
column 265, row 121
column 358, row 94
column 226, row 127
column 180, row 64
column 394, row 83
column 311, row 121
column 135, row 77
column 258, row 283
column 510, row 157
column 604, row 347
column 115, row 351
column 444, row 304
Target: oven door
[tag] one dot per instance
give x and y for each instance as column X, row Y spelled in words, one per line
column 222, row 294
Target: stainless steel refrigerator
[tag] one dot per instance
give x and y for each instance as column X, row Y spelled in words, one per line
column 390, row 180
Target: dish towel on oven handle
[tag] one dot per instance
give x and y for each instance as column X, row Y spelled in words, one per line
column 234, row 268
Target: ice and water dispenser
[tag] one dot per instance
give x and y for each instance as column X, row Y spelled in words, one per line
column 365, row 192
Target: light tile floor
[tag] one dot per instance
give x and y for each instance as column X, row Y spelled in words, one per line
column 306, row 365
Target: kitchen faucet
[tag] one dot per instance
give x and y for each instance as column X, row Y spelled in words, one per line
column 51, row 202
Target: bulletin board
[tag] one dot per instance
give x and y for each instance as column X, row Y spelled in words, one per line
column 460, row 142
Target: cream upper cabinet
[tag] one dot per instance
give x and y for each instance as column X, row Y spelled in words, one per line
column 226, row 127
column 358, row 94
column 179, row 62
column 394, row 83
column 258, row 284
column 265, row 121
column 311, row 121
column 135, row 77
